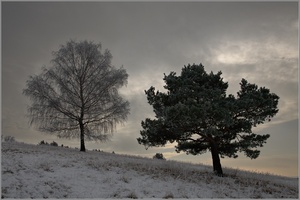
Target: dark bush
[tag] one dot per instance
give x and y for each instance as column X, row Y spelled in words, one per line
column 54, row 144
column 159, row 156
column 7, row 138
column 43, row 143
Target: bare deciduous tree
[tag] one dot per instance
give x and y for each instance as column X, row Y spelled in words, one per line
column 78, row 92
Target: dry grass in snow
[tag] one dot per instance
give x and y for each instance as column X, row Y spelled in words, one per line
column 31, row 171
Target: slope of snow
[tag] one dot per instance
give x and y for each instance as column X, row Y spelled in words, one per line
column 31, row 171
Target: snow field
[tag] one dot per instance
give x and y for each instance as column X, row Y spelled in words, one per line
column 31, row 171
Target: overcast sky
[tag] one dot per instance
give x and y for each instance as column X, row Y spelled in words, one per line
column 256, row 41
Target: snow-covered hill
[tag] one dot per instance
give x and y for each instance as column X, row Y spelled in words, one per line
column 32, row 171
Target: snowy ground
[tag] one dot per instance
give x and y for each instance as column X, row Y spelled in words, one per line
column 32, row 171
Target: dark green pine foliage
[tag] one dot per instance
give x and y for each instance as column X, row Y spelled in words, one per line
column 198, row 115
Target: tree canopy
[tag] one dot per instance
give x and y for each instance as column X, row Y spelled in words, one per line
column 78, row 92
column 196, row 113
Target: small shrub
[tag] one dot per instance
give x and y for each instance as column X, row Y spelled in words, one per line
column 43, row 143
column 169, row 196
column 98, row 150
column 132, row 195
column 159, row 156
column 7, row 138
column 54, row 144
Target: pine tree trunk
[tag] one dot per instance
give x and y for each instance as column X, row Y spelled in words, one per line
column 82, row 146
column 216, row 159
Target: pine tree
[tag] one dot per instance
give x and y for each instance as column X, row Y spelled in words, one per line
column 198, row 115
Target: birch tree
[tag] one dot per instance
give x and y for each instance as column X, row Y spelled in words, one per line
column 77, row 96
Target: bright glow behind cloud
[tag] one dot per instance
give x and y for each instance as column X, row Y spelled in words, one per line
column 250, row 52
